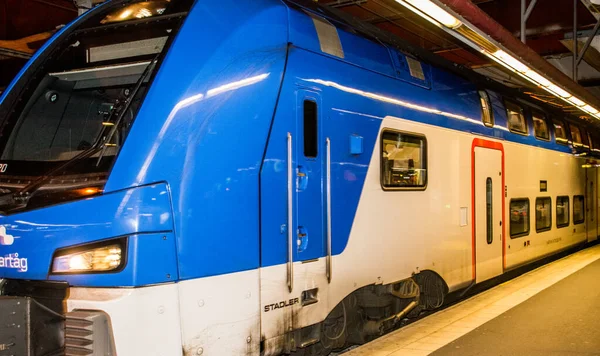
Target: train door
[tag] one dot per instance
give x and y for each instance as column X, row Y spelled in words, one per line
column 488, row 199
column 590, row 208
column 293, row 218
column 308, row 157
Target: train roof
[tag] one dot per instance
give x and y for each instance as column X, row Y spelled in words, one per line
column 374, row 49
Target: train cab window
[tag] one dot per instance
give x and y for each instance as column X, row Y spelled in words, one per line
column 559, row 132
column 486, row 109
column 540, row 127
column 404, row 161
column 562, row 211
column 578, row 209
column 310, row 129
column 519, row 217
column 516, row 119
column 543, row 214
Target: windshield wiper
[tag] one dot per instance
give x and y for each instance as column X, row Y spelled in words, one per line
column 21, row 197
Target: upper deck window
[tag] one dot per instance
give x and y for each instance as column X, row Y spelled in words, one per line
column 559, row 132
column 594, row 142
column 516, row 119
column 486, row 109
column 540, row 127
column 576, row 135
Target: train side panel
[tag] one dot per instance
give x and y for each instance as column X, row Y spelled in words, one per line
column 393, row 234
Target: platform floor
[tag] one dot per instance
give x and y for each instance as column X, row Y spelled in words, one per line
column 552, row 310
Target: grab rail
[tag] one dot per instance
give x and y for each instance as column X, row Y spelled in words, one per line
column 328, row 180
column 290, row 217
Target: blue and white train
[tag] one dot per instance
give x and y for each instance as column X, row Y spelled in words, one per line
column 230, row 177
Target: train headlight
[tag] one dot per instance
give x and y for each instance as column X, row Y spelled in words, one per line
column 90, row 259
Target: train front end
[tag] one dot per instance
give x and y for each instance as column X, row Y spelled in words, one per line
column 63, row 122
column 107, row 172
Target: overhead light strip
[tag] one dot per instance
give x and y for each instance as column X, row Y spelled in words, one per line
column 442, row 18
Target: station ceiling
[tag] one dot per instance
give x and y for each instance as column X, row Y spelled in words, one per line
column 26, row 24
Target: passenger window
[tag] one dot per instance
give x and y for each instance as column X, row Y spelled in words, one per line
column 584, row 138
column 310, row 129
column 560, row 133
column 594, row 143
column 486, row 109
column 575, row 135
column 578, row 209
column 543, row 214
column 516, row 119
column 519, row 217
column 562, row 211
column 540, row 127
column 404, row 160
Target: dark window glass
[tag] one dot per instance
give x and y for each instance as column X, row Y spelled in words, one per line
column 310, row 129
column 578, row 209
column 584, row 138
column 562, row 211
column 594, row 142
column 486, row 109
column 516, row 119
column 519, row 217
column 540, row 127
column 489, row 216
column 576, row 135
column 560, row 133
column 543, row 214
column 404, row 160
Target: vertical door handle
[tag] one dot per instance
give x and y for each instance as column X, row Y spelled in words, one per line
column 290, row 215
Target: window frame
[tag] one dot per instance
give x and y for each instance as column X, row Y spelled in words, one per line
column 483, row 95
column 549, row 227
column 568, row 212
column 544, row 118
column 381, row 167
column 562, row 124
column 514, row 103
column 525, row 233
column 578, row 222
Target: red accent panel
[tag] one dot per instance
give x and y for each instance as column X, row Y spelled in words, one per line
column 478, row 142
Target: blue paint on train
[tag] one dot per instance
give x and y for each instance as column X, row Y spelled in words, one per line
column 144, row 213
column 200, row 185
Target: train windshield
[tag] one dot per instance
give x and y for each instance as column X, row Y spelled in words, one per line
column 61, row 134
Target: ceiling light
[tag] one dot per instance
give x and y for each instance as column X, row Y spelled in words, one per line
column 125, row 14
column 511, row 61
column 576, row 101
column 537, row 78
column 435, row 12
column 555, row 89
column 589, row 109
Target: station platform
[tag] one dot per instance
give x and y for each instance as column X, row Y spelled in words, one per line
column 552, row 310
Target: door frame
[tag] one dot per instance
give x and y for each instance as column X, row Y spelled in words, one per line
column 492, row 145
